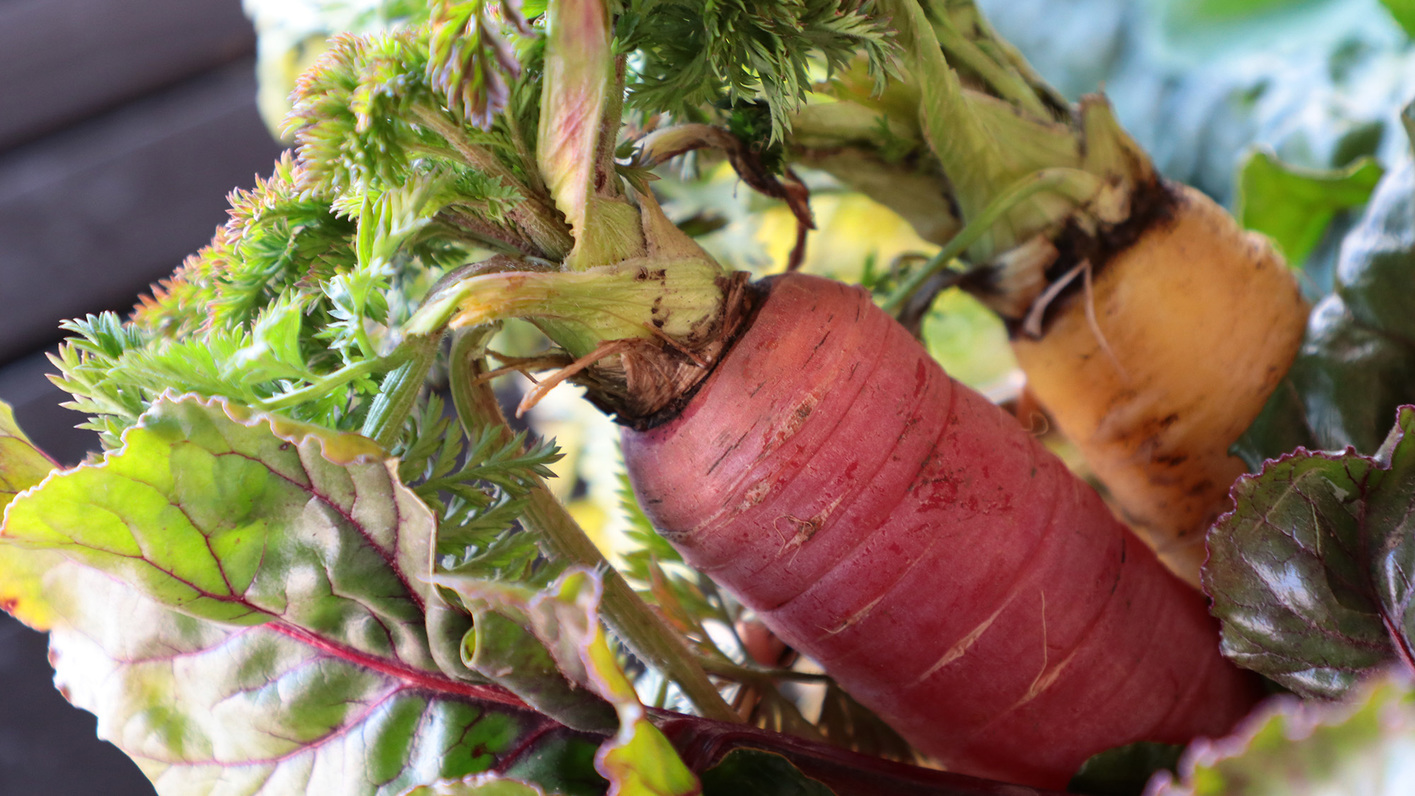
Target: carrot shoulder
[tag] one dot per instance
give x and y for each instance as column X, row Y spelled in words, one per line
column 922, row 547
column 1158, row 368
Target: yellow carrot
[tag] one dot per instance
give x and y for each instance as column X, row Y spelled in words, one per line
column 1158, row 367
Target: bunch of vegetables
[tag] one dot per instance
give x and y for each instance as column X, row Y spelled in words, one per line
column 315, row 557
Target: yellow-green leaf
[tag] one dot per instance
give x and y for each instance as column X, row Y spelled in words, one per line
column 22, row 466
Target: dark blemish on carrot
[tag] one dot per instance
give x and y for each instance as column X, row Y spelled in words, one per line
column 802, row 412
column 718, row 461
column 1169, row 421
column 725, row 452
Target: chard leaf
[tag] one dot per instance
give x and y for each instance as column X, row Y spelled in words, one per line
column 245, row 519
column 638, row 760
column 1363, row 747
column 1313, row 572
column 242, row 605
column 1293, row 205
column 270, row 710
column 505, row 651
column 22, row 466
column 1357, row 362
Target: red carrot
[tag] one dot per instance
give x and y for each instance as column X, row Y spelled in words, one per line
column 915, row 541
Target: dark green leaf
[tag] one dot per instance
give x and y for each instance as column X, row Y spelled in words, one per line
column 1292, row 205
column 1313, row 572
column 1361, row 747
column 1357, row 362
column 1123, row 771
column 753, row 772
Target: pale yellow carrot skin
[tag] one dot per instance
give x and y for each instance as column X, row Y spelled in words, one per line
column 1190, row 330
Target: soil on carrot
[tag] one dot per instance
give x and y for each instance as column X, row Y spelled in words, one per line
column 1151, row 208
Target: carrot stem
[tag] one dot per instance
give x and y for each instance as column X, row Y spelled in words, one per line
column 631, row 619
column 1074, row 184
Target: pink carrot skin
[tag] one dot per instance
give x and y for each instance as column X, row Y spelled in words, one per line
column 914, row 540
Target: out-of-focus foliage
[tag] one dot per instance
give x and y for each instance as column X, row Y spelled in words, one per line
column 22, row 571
column 1357, row 362
column 1320, row 82
column 1364, row 747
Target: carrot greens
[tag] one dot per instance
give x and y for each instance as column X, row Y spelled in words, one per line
column 314, row 555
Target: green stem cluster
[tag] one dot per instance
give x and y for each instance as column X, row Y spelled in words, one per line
column 631, row 619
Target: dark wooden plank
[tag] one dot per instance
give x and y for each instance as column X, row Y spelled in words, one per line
column 65, row 60
column 25, row 386
column 91, row 217
column 47, row 746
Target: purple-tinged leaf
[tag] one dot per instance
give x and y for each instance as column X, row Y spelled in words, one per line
column 245, row 519
column 267, row 711
column 1311, row 573
column 638, row 760
column 578, row 76
column 752, row 771
column 471, row 63
column 507, row 653
column 1364, row 746
column 22, row 466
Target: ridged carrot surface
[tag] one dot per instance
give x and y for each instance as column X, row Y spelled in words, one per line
column 921, row 546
